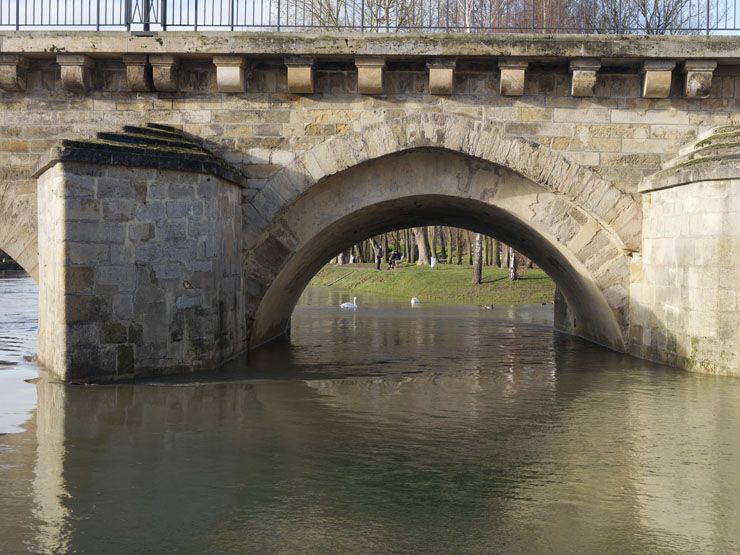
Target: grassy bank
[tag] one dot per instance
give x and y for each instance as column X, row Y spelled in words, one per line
column 445, row 284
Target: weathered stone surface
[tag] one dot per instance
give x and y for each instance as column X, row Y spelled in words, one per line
column 230, row 73
column 137, row 75
column 126, row 285
column 590, row 153
column 370, row 70
column 13, row 72
column 164, row 72
column 656, row 78
column 697, row 81
column 76, row 71
column 441, row 75
column 536, row 46
column 300, row 74
column 684, row 291
column 513, row 72
column 583, row 76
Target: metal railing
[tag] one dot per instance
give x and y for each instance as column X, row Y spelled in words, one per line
column 543, row 16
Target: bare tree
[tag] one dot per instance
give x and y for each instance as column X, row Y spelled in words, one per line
column 478, row 259
column 513, row 265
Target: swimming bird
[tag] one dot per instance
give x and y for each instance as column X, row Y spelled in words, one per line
column 350, row 306
column 415, row 300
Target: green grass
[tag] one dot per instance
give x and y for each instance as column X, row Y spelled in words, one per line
column 448, row 284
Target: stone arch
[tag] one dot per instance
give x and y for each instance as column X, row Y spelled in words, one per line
column 618, row 212
column 18, row 230
column 405, row 174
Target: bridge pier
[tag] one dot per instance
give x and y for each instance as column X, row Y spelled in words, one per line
column 140, row 266
column 685, row 292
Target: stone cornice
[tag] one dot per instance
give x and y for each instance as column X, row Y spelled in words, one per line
column 713, row 157
column 152, row 146
column 725, row 49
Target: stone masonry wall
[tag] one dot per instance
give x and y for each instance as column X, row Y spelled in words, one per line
column 623, row 136
column 149, row 279
column 685, row 297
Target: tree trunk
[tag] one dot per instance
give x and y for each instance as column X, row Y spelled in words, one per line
column 478, row 259
column 442, row 246
column 422, row 243
column 496, row 254
column 470, row 248
column 433, row 230
column 458, row 246
column 513, row 265
column 342, row 258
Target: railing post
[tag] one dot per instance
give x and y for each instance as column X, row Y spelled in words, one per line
column 127, row 14
column 278, row 15
column 362, row 17
column 145, row 14
column 231, row 14
column 709, row 3
column 17, row 15
column 97, row 16
column 163, row 15
column 195, row 26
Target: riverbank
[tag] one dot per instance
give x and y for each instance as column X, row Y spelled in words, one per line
column 448, row 284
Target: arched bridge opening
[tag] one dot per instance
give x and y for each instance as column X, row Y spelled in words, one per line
column 435, row 186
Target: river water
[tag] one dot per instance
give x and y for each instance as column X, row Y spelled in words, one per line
column 390, row 429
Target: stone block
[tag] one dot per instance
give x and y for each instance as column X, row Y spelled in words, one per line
column 441, row 75
column 76, row 71
column 300, row 74
column 164, row 72
column 118, row 210
column 85, row 308
column 13, row 69
column 138, row 72
column 697, row 78
column 657, row 76
column 113, row 332
column 583, row 76
column 122, row 277
column 87, row 253
column 125, row 360
column 230, row 74
column 370, row 71
column 122, row 307
column 513, row 73
column 78, row 279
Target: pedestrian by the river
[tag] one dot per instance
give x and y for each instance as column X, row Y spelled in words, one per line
column 378, row 255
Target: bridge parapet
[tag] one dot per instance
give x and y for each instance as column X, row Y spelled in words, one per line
column 76, row 53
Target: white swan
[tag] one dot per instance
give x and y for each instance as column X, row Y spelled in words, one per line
column 415, row 300
column 350, row 306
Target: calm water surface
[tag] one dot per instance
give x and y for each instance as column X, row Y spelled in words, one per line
column 390, row 429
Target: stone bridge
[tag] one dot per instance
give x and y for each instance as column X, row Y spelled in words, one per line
column 174, row 194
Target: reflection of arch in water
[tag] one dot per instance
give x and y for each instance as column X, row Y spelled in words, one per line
column 425, row 186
